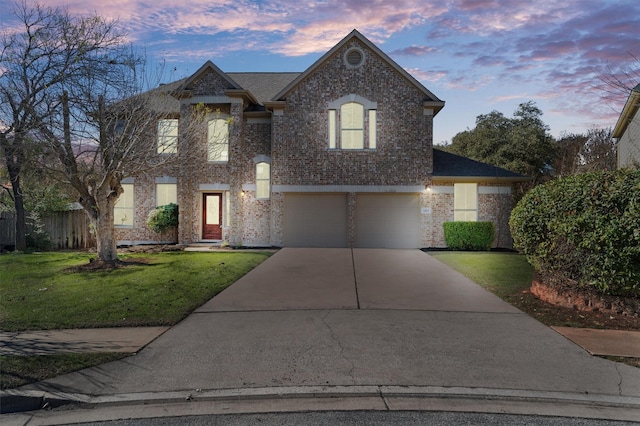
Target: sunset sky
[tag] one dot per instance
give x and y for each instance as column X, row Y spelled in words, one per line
column 477, row 55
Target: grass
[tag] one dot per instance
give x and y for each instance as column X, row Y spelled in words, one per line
column 508, row 275
column 54, row 291
column 20, row 370
column 504, row 274
column 47, row 291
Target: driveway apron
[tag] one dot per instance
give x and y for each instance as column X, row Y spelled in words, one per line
column 339, row 317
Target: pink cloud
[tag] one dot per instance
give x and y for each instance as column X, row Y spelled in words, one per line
column 414, row 50
column 428, row 75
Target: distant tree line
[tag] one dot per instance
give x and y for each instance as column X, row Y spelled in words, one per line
column 522, row 144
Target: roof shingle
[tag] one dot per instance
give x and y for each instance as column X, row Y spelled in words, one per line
column 446, row 164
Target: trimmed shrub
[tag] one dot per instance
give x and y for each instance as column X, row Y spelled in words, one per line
column 468, row 235
column 583, row 230
column 163, row 218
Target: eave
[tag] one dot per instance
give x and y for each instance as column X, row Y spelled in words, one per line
column 628, row 112
column 479, row 179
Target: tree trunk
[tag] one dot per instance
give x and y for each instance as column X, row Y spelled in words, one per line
column 18, row 202
column 102, row 222
column 14, row 159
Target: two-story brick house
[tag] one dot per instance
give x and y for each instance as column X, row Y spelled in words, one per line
column 340, row 155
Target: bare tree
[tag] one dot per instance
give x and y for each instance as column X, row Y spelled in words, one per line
column 599, row 151
column 579, row 153
column 78, row 94
column 50, row 50
column 567, row 160
column 617, row 83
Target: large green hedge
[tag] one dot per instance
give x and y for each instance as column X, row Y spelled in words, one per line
column 468, row 235
column 583, row 230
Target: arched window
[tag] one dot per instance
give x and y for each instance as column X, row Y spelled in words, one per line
column 352, row 126
column 218, row 140
column 263, row 180
column 352, row 123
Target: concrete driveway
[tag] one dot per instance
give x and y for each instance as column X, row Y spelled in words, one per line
column 299, row 279
column 393, row 321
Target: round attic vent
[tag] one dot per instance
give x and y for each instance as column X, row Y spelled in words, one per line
column 354, row 57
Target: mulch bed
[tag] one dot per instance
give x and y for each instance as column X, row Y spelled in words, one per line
column 580, row 307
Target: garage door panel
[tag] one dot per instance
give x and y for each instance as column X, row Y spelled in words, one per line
column 387, row 221
column 315, row 220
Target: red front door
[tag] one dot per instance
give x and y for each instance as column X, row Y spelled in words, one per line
column 212, row 217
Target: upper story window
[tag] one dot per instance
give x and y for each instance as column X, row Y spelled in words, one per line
column 168, row 136
column 352, row 123
column 465, row 200
column 218, row 140
column 263, row 180
column 352, row 126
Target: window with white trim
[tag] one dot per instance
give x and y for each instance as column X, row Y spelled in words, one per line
column 166, row 193
column 218, row 140
column 263, row 180
column 123, row 212
column 465, row 199
column 168, row 136
column 352, row 124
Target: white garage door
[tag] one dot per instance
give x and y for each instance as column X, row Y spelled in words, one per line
column 388, row 220
column 315, row 220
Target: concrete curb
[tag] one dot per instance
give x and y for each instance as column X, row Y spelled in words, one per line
column 27, row 405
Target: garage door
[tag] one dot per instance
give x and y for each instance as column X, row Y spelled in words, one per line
column 388, row 220
column 315, row 220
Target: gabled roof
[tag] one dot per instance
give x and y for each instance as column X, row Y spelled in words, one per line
column 448, row 166
column 628, row 112
column 263, row 85
column 208, row 66
column 434, row 101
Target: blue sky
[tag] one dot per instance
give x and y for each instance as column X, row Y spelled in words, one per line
column 477, row 55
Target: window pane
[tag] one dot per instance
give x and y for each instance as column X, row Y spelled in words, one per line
column 263, row 180
column 262, row 171
column 465, row 202
column 352, row 116
column 213, row 210
column 352, row 139
column 373, row 131
column 352, row 126
column 218, row 140
column 123, row 210
column 262, row 189
column 166, row 193
column 168, row 136
column 332, row 128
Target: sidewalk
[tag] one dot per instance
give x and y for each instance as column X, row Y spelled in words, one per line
column 48, row 342
column 132, row 339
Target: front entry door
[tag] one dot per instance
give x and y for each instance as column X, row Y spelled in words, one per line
column 212, row 217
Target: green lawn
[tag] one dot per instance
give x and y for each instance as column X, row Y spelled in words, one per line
column 505, row 274
column 19, row 370
column 44, row 291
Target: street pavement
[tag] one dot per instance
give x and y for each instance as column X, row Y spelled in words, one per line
column 361, row 329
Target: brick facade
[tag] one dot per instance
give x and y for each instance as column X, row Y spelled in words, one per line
column 291, row 133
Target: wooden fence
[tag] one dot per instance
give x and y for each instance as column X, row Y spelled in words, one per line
column 65, row 230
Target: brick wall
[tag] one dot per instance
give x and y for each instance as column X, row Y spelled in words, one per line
column 495, row 203
column 404, row 135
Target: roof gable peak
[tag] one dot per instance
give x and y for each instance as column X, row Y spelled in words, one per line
column 355, row 34
column 207, row 67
